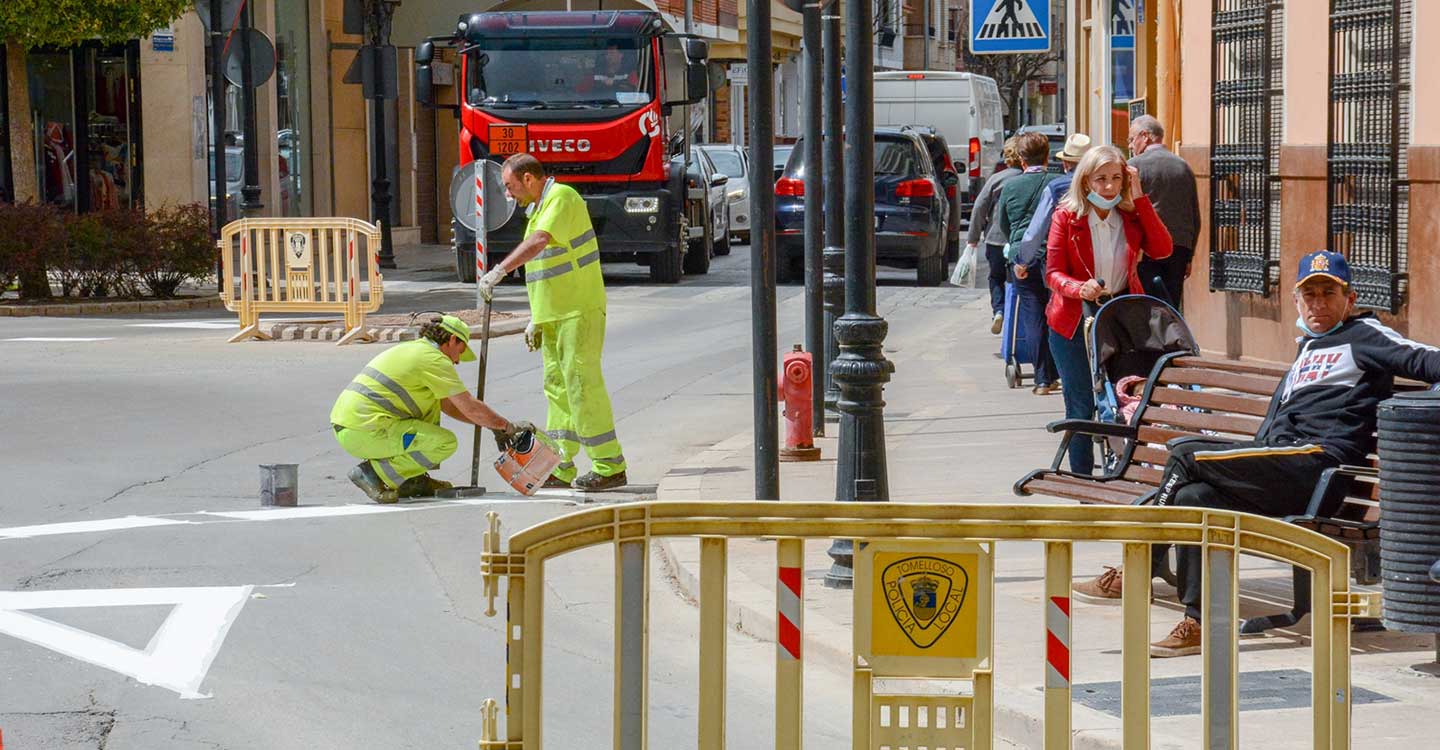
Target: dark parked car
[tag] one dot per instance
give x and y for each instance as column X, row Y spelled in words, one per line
column 910, row 209
column 782, row 155
column 960, row 205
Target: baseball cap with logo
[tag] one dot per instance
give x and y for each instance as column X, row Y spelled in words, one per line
column 1324, row 264
column 457, row 327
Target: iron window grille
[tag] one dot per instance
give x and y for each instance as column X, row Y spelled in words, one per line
column 1367, row 182
column 1246, row 62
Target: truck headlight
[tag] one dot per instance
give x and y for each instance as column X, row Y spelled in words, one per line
column 642, row 205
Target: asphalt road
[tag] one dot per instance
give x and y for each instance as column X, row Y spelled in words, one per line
column 145, row 604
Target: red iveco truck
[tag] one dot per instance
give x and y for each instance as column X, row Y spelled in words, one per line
column 591, row 95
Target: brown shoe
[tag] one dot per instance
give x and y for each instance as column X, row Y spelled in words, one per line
column 593, row 482
column 1102, row 589
column 1184, row 640
column 553, row 483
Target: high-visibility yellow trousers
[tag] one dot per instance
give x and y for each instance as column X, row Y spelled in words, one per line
column 579, row 414
column 405, row 448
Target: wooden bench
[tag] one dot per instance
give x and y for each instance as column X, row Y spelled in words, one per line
column 1197, row 397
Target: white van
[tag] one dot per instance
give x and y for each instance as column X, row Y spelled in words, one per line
column 963, row 107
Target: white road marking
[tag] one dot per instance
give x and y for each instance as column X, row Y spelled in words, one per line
column 81, row 527
column 178, row 655
column 264, row 514
column 203, row 325
column 59, row 339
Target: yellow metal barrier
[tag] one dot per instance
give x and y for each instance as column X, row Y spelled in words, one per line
column 924, row 583
column 290, row 265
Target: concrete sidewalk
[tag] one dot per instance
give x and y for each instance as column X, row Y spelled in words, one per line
column 956, row 433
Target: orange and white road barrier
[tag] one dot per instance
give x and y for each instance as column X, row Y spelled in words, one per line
column 301, row 265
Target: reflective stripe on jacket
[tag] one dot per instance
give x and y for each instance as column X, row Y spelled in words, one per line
column 564, row 280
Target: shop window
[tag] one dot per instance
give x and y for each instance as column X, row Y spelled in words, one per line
column 292, row 76
column 1246, row 123
column 1368, row 191
column 109, row 137
column 52, row 107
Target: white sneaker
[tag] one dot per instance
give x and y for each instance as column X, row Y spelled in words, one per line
column 997, row 323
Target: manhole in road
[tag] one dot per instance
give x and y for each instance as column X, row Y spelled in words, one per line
column 1180, row 696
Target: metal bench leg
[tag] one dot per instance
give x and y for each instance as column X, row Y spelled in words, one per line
column 1258, row 625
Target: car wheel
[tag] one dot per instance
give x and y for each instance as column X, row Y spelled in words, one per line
column 697, row 255
column 791, row 268
column 665, row 266
column 463, row 243
column 930, row 269
column 723, row 246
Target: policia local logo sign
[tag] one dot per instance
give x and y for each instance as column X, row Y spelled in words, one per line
column 923, row 608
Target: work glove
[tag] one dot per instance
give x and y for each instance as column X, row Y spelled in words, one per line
column 532, row 337
column 489, row 281
column 505, row 438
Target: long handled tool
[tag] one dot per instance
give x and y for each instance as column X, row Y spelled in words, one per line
column 480, row 393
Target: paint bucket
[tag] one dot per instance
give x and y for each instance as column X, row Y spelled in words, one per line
column 279, row 485
column 529, row 462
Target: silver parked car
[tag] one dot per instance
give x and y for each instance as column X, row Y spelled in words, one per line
column 732, row 162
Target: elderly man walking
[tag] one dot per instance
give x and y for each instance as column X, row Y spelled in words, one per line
column 1170, row 185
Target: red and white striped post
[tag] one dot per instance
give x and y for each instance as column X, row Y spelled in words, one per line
column 480, row 234
column 1057, row 645
column 789, row 633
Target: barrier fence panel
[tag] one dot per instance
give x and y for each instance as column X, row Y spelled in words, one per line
column 298, row 265
column 923, row 593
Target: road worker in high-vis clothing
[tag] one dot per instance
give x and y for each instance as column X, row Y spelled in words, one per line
column 389, row 415
column 567, row 321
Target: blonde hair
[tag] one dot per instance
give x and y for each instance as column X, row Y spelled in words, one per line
column 1094, row 159
column 1011, row 152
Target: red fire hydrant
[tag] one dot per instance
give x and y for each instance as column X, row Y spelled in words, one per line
column 795, row 392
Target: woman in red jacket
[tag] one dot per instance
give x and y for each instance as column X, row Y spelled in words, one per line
column 1100, row 230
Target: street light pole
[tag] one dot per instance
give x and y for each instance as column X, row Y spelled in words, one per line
column 217, row 109
column 834, row 148
column 381, row 13
column 814, row 220
column 761, row 108
column 250, row 192
column 861, row 368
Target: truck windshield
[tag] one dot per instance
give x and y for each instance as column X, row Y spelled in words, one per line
column 573, row 73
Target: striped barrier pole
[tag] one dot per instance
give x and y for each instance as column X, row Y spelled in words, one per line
column 1057, row 645
column 789, row 633
column 480, row 233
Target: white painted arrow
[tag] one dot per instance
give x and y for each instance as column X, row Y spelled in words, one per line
column 178, row 655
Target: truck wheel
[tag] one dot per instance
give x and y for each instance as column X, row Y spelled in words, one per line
column 665, row 265
column 697, row 255
column 930, row 270
column 463, row 243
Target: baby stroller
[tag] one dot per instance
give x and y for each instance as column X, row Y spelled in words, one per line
column 1015, row 347
column 1128, row 336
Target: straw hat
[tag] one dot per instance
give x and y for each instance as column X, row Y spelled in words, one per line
column 1075, row 147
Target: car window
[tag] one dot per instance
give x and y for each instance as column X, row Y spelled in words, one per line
column 895, row 158
column 727, row 162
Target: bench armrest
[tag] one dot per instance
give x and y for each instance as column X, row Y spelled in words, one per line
column 1091, row 427
column 1323, row 487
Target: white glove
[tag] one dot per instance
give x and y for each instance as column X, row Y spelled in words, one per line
column 964, row 267
column 532, row 336
column 489, row 281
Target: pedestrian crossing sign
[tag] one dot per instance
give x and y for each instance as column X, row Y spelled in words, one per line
column 999, row 27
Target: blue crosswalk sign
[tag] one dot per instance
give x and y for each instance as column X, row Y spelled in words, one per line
column 1122, row 23
column 1009, row 26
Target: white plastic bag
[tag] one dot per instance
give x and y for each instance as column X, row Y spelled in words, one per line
column 964, row 268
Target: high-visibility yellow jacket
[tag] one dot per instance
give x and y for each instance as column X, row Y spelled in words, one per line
column 564, row 280
column 407, row 381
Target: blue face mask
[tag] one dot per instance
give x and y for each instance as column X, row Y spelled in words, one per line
column 1300, row 323
column 1098, row 201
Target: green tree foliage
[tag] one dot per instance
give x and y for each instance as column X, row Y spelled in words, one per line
column 32, row 23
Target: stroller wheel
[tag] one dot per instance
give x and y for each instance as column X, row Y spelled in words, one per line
column 1012, row 374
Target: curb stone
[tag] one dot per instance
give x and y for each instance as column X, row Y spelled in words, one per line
column 119, row 307
column 1019, row 714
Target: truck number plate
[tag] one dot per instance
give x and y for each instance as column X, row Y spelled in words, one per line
column 506, row 139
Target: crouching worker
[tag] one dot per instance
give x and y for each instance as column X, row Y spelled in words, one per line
column 389, row 415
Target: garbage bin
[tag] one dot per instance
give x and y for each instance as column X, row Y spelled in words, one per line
column 1409, row 433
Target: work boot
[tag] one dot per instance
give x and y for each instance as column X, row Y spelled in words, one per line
column 364, row 477
column 555, row 483
column 1184, row 640
column 593, row 482
column 997, row 323
column 423, row 486
column 1103, row 589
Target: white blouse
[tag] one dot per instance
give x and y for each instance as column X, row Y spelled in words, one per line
column 1107, row 243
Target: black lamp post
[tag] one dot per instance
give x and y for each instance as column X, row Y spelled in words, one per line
column 381, row 61
column 833, row 256
column 861, row 369
column 815, row 172
column 763, row 342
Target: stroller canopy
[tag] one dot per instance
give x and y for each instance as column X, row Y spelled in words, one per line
column 1131, row 333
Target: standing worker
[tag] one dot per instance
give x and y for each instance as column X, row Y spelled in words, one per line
column 567, row 321
column 389, row 415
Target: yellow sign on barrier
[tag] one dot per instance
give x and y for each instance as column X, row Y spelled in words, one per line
column 292, row 265
column 927, row 605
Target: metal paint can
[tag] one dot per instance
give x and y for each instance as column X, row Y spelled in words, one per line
column 529, row 462
column 279, row 485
